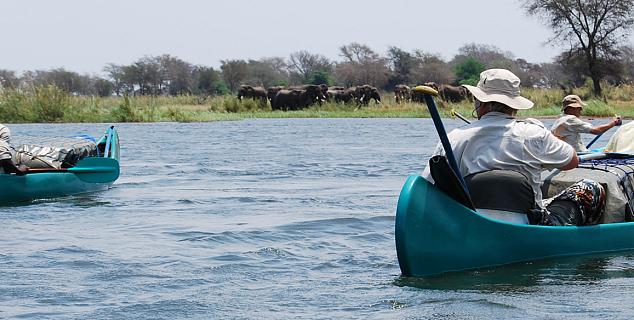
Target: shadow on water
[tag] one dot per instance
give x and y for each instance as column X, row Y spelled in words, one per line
column 82, row 200
column 523, row 277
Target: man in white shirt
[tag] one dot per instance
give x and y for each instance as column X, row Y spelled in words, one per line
column 569, row 126
column 500, row 141
column 6, row 153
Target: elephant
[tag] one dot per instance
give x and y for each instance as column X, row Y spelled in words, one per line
column 340, row 94
column 272, row 91
column 417, row 96
column 431, row 85
column 363, row 94
column 401, row 93
column 449, row 93
column 297, row 99
column 254, row 93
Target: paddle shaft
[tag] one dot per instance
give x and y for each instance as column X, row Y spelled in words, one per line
column 442, row 134
column 595, row 139
column 70, row 170
column 459, row 116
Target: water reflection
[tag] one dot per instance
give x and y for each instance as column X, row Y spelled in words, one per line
column 523, row 277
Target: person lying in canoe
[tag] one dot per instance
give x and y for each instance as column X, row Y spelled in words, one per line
column 569, row 126
column 6, row 153
column 500, row 141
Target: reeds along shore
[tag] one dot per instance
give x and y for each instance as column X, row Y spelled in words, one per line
column 49, row 104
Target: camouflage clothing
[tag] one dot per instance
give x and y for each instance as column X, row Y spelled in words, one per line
column 581, row 204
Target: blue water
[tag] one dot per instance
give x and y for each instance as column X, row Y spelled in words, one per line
column 276, row 219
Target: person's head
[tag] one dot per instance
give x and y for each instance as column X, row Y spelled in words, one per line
column 498, row 90
column 572, row 105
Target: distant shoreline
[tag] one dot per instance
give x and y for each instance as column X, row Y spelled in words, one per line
column 51, row 105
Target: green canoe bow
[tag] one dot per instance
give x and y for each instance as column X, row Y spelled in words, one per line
column 434, row 234
column 89, row 175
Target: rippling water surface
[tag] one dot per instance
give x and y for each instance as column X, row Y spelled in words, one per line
column 271, row 219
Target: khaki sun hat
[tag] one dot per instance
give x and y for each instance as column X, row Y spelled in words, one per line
column 500, row 85
column 572, row 100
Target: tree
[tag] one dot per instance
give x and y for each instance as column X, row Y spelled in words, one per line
column 627, row 62
column 551, row 75
column 320, row 77
column 176, row 75
column 593, row 28
column 8, row 79
column 267, row 72
column 490, row 56
column 303, row 64
column 431, row 68
column 208, row 81
column 362, row 66
column 468, row 72
column 234, row 72
column 401, row 63
column 115, row 72
column 103, row 87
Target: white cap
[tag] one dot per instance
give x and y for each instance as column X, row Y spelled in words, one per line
column 502, row 86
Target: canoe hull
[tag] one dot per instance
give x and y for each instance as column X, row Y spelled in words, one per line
column 434, row 234
column 44, row 185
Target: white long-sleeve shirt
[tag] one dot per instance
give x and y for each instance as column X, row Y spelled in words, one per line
column 499, row 141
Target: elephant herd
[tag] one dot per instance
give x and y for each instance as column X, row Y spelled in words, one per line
column 300, row 97
column 447, row 93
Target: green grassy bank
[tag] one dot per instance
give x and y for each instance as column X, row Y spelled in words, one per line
column 50, row 104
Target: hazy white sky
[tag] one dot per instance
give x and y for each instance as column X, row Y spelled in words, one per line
column 84, row 35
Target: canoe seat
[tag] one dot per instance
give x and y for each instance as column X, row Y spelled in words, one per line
column 501, row 194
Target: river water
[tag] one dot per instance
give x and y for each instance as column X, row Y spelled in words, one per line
column 275, row 219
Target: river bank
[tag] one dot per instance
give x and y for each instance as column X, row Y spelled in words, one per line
column 51, row 105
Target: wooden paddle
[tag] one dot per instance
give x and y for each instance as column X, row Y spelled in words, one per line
column 93, row 170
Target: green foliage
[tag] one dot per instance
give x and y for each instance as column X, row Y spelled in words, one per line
column 124, row 112
column 221, row 87
column 468, row 72
column 177, row 114
column 320, row 77
column 50, row 103
column 15, row 106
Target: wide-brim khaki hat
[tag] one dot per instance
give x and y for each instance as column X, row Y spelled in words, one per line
column 500, row 85
column 573, row 101
column 572, row 105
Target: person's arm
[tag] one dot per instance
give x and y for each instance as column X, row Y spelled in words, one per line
column 552, row 153
column 574, row 162
column 605, row 127
column 10, row 167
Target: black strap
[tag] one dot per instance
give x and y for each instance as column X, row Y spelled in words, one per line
column 447, row 181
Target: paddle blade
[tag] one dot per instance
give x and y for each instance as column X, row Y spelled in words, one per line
column 96, row 170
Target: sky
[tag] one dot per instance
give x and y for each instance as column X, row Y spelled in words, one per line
column 85, row 35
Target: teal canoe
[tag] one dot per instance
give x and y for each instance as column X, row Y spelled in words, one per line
column 435, row 234
column 88, row 175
